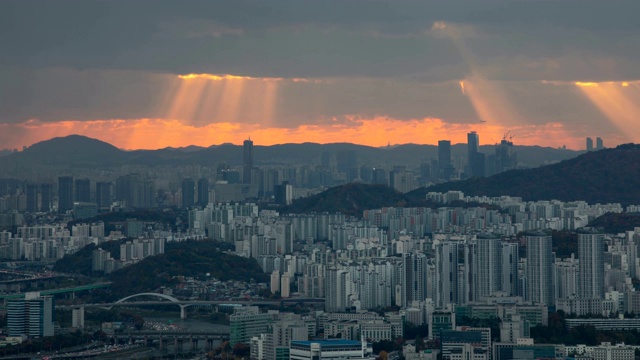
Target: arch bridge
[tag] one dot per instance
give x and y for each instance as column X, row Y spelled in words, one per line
column 171, row 299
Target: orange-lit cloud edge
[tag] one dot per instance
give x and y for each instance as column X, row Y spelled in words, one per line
column 173, row 128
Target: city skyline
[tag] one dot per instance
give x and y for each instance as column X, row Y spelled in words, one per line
column 153, row 75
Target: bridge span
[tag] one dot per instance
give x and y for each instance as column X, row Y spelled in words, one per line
column 183, row 304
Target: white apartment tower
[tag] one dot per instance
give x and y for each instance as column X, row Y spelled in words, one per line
column 487, row 265
column 591, row 265
column 539, row 270
column 446, row 286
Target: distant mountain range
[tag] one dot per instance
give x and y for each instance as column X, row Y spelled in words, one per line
column 82, row 152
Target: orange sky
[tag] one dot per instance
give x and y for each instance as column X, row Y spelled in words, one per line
column 209, row 109
column 159, row 133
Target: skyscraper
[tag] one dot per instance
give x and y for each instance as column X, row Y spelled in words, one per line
column 203, row 191
column 599, row 144
column 65, row 193
column 474, row 156
column 444, row 159
column 188, row 192
column 589, row 144
column 103, row 195
column 473, row 143
column 539, row 270
column 247, row 149
column 45, row 197
column 590, row 265
column 505, row 156
column 83, row 190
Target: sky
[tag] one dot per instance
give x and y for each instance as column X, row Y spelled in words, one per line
column 149, row 74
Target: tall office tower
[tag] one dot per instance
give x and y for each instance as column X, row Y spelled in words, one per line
column 509, row 279
column 474, row 156
column 446, row 286
column 203, row 191
column 347, row 163
column 247, row 151
column 31, row 316
column 589, row 144
column 83, row 190
column 46, row 191
column 103, row 195
column 539, row 270
column 32, row 197
column 473, row 143
column 65, row 193
column 487, row 265
column 590, row 265
column 505, row 156
column 445, row 166
column 599, row 144
column 188, row 192
column 413, row 278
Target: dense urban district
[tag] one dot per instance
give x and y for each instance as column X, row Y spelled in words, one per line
column 309, row 252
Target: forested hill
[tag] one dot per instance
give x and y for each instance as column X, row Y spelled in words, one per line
column 605, row 176
column 350, row 199
column 187, row 258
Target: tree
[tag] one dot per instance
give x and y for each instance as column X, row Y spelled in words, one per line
column 383, row 355
column 241, row 350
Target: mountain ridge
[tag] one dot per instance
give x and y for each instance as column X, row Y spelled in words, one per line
column 78, row 151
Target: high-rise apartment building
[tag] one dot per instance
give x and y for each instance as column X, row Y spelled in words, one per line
column 135, row 192
column 474, row 156
column 65, row 193
column 446, row 286
column 82, row 190
column 590, row 265
column 188, row 192
column 539, row 270
column 509, row 280
column 247, row 151
column 46, row 194
column 103, row 195
column 599, row 144
column 589, row 144
column 414, row 278
column 203, row 191
column 487, row 264
column 338, row 288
